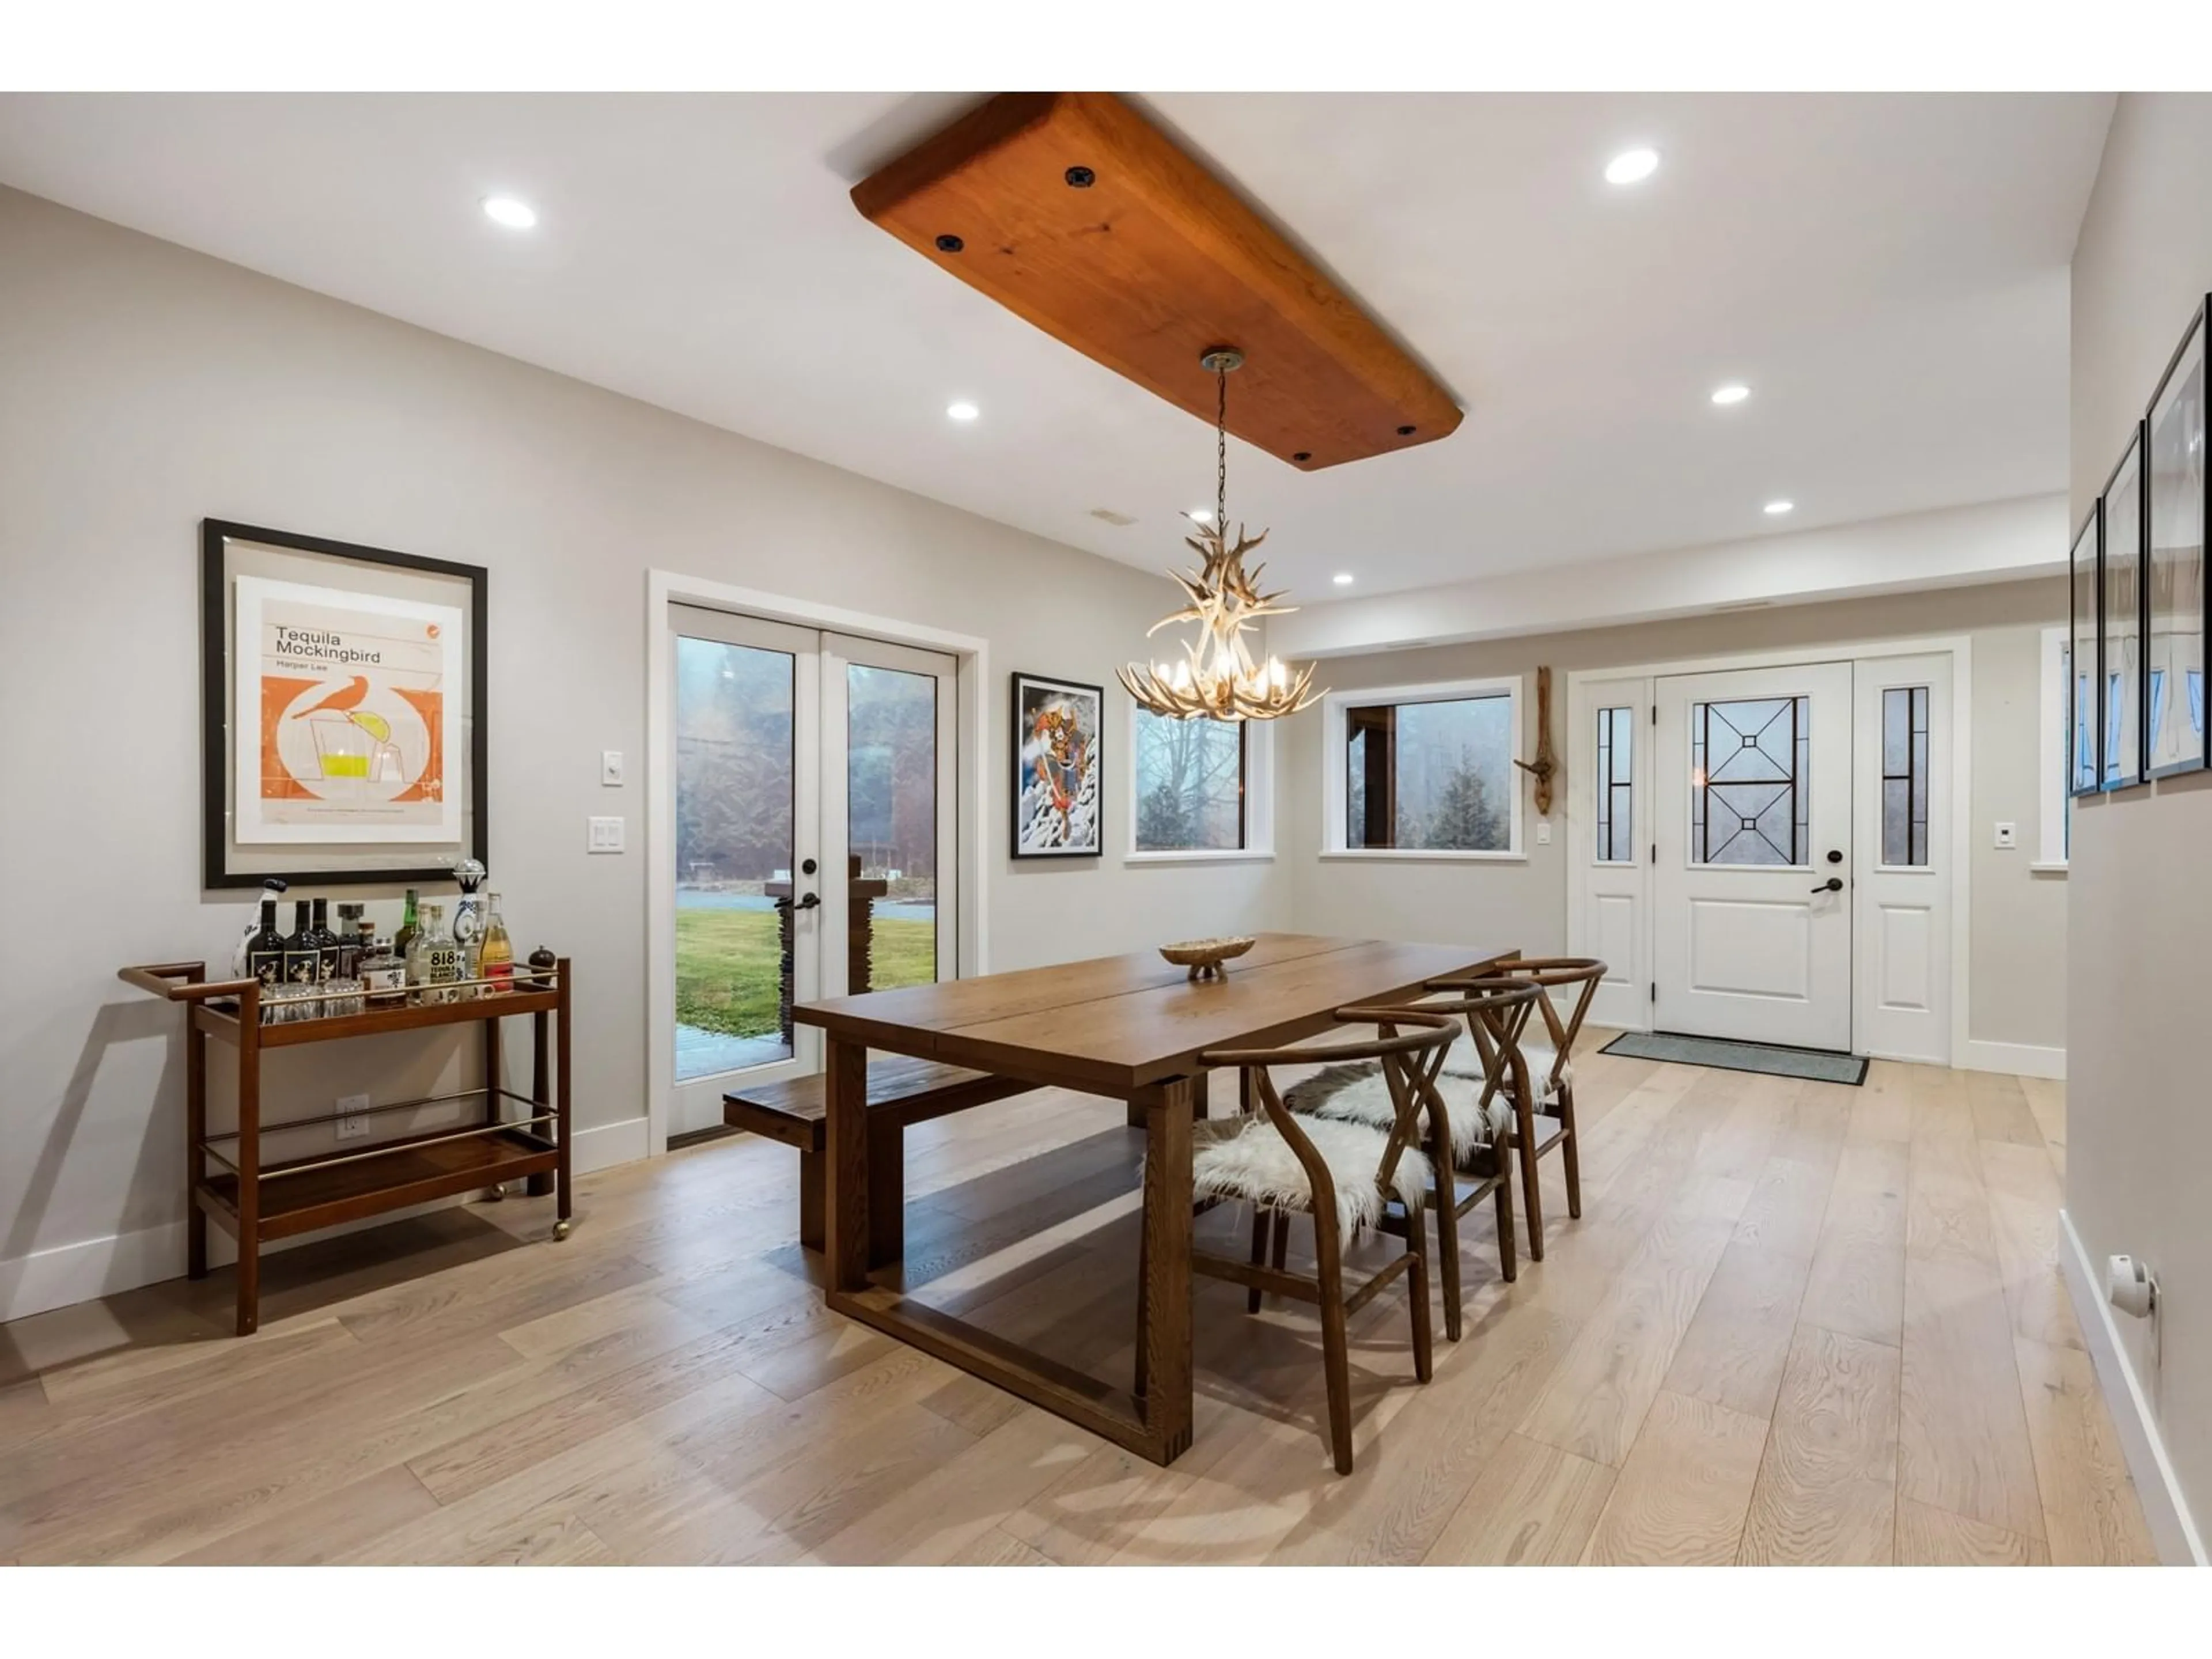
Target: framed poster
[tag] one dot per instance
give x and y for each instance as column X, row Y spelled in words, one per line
column 342, row 733
column 2084, row 639
column 2121, row 663
column 1058, row 782
column 2174, row 593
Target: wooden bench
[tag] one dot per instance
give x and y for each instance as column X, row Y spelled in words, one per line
column 901, row 1091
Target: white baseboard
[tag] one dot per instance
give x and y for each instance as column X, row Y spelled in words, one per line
column 2014, row 1059
column 95, row 1267
column 2164, row 1507
column 609, row 1144
column 68, row 1273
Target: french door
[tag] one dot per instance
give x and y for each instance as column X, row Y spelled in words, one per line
column 1752, row 833
column 814, row 838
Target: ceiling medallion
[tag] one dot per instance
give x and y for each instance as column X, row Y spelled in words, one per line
column 1216, row 679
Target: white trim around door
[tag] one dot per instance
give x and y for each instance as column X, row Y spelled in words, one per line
column 665, row 589
column 1610, row 903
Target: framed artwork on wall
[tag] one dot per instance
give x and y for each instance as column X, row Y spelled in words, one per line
column 1059, row 778
column 2174, row 591
column 2084, row 639
column 2121, row 663
column 342, row 733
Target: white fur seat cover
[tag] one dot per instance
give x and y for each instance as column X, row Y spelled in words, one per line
column 1246, row 1158
column 1359, row 1093
column 1464, row 1060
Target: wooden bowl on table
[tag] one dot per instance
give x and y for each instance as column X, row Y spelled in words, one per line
column 1206, row 957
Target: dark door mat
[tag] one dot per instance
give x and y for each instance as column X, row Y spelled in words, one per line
column 1819, row 1065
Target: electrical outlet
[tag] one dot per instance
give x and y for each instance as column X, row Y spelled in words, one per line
column 603, row 836
column 351, row 1124
column 2007, row 836
column 610, row 767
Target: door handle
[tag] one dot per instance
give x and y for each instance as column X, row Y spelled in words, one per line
column 808, row 901
column 1833, row 884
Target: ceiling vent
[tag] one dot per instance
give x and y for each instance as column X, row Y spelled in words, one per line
column 1107, row 515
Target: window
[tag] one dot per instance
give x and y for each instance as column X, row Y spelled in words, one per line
column 1424, row 771
column 2057, row 733
column 1616, row 796
column 1904, row 774
column 1198, row 789
column 1748, row 784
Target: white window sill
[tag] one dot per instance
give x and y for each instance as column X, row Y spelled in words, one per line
column 1418, row 855
column 1204, row 855
column 2047, row 867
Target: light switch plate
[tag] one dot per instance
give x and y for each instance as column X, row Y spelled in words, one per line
column 603, row 836
column 2007, row 836
column 610, row 767
column 1543, row 832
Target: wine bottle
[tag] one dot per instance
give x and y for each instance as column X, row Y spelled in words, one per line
column 403, row 941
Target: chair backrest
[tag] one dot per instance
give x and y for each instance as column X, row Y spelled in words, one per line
column 1409, row 1045
column 1570, row 979
column 1496, row 1007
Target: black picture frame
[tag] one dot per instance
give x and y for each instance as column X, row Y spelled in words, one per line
column 2176, row 509
column 2085, row 636
column 1030, row 694
column 2122, row 750
column 217, row 868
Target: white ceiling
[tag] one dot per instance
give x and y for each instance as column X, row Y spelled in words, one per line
column 1887, row 272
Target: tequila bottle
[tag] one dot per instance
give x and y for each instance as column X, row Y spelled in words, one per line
column 434, row 960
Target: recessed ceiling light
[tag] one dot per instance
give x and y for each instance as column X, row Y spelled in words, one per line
column 1343, row 579
column 1734, row 393
column 506, row 210
column 1632, row 166
column 963, row 411
column 1775, row 509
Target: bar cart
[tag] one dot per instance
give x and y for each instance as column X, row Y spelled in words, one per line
column 256, row 1201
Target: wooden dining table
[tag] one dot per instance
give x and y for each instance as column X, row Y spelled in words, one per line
column 1131, row 1028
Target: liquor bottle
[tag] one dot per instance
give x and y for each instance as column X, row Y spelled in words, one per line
column 383, row 970
column 403, row 939
column 345, row 977
column 303, row 963
column 239, row 964
column 326, row 946
column 468, row 913
column 434, row 960
column 264, row 956
column 495, row 951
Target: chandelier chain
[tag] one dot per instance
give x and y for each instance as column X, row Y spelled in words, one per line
column 1221, row 450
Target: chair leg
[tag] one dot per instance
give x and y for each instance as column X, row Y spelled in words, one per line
column 1416, row 1291
column 1507, row 1265
column 1260, row 1220
column 1446, row 1205
column 1281, row 1251
column 1335, row 1358
column 1524, row 1136
column 1572, row 1152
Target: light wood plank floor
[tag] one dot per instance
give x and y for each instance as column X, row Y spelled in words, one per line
column 1796, row 1323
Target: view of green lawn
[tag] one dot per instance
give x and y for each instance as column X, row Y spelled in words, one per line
column 726, row 964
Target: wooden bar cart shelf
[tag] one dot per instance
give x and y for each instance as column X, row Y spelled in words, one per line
column 256, row 1201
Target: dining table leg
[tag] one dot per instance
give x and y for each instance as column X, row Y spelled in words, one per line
column 847, row 1238
column 1164, row 1311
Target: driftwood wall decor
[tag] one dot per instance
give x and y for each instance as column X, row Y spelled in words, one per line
column 1545, row 767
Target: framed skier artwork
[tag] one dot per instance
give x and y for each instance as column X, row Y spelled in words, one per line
column 1059, row 781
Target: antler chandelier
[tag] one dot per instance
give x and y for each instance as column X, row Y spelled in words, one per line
column 1216, row 679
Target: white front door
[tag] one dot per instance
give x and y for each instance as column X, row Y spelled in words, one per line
column 1752, row 831
column 815, row 838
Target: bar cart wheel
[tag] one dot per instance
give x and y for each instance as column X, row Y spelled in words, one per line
column 494, row 1194
column 560, row 1229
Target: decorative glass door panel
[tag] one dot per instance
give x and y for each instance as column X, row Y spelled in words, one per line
column 1748, row 787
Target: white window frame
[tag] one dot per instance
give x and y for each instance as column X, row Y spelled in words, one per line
column 2051, row 763
column 1333, row 843
column 1259, row 846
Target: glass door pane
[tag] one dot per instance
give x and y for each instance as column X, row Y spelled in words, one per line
column 735, row 722
column 890, row 828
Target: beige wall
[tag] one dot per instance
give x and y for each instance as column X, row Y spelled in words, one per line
column 2017, row 927
column 144, row 388
column 2139, row 1137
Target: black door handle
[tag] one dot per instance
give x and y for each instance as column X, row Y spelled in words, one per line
column 1833, row 884
column 808, row 901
